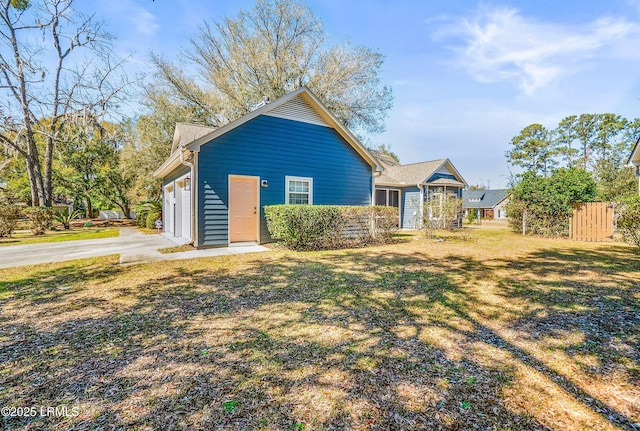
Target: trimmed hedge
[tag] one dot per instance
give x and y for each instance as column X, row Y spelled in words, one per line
column 316, row 227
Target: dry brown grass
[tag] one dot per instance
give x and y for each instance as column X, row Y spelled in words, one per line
column 487, row 331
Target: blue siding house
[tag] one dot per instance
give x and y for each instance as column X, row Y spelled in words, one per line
column 418, row 190
column 216, row 182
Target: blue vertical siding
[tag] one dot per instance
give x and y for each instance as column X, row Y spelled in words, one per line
column 410, row 205
column 272, row 148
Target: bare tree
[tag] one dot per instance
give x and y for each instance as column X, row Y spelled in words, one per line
column 268, row 51
column 56, row 67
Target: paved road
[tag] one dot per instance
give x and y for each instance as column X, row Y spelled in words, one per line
column 131, row 245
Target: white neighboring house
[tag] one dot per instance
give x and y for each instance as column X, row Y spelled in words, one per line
column 488, row 204
column 634, row 160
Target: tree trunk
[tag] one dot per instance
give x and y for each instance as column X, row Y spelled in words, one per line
column 126, row 211
column 32, row 182
column 89, row 213
column 48, row 167
column 35, row 180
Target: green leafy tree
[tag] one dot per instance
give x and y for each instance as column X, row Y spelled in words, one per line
column 611, row 140
column 565, row 136
column 266, row 52
column 148, row 148
column 615, row 183
column 89, row 166
column 586, row 131
column 543, row 205
column 533, row 150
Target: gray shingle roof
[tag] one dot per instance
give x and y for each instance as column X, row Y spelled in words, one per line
column 191, row 132
column 414, row 173
column 483, row 198
column 388, row 181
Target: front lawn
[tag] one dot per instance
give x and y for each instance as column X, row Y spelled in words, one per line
column 486, row 331
column 25, row 237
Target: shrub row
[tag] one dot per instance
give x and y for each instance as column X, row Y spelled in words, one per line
column 316, row 227
column 40, row 219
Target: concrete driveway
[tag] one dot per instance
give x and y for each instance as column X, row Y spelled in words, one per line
column 131, row 245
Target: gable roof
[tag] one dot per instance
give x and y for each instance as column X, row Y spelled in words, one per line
column 186, row 132
column 420, row 173
column 634, row 158
column 318, row 113
column 483, row 198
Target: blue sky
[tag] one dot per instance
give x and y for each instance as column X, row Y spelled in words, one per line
column 466, row 76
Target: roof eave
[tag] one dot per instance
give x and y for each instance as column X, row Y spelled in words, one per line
column 457, row 173
column 168, row 166
column 390, row 184
column 634, row 158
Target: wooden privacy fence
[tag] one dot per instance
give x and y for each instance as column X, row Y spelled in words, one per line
column 592, row 221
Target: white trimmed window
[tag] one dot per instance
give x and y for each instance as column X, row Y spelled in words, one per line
column 388, row 197
column 298, row 190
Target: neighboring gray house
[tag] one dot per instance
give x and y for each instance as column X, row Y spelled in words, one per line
column 417, row 188
column 488, row 204
column 293, row 150
column 634, row 160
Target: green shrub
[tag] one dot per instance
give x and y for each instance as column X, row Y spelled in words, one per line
column 314, row 227
column 150, row 221
column 628, row 222
column 141, row 219
column 472, row 215
column 64, row 217
column 9, row 215
column 153, row 206
column 40, row 219
column 543, row 205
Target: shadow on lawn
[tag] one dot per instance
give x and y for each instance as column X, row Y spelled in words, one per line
column 337, row 341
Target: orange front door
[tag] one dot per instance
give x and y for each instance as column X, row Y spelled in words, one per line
column 243, row 209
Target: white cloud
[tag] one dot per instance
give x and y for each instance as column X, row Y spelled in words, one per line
column 134, row 16
column 500, row 45
column 144, row 21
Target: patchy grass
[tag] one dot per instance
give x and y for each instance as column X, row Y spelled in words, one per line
column 486, row 330
column 76, row 233
column 147, row 231
column 176, row 249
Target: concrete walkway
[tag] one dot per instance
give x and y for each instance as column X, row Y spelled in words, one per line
column 131, row 245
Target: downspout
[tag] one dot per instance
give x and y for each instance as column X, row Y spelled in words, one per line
column 193, row 190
